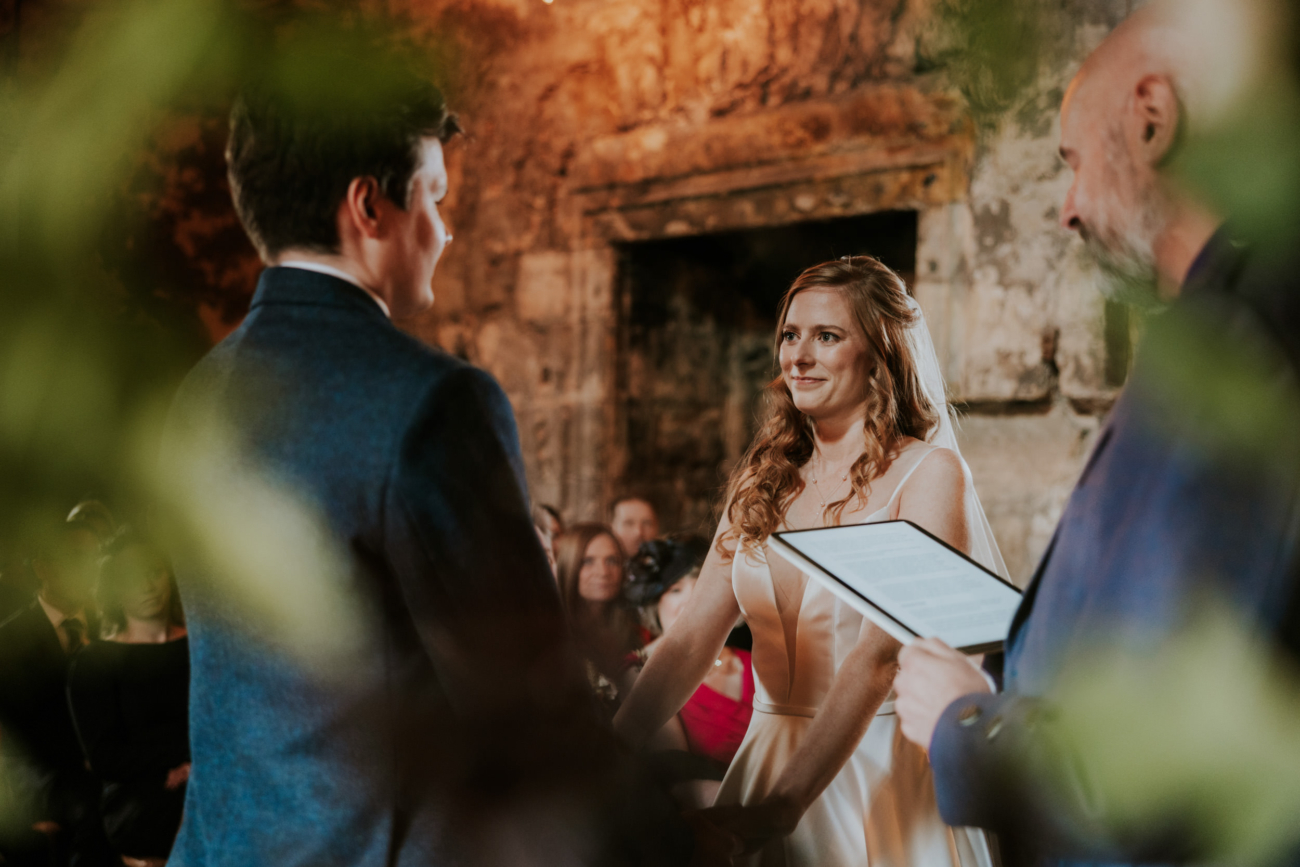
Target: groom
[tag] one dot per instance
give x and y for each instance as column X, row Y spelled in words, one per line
column 1180, row 500
column 460, row 702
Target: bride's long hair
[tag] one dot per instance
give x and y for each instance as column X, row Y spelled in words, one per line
column 767, row 479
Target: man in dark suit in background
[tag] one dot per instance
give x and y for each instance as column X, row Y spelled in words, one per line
column 457, row 699
column 53, row 797
column 1190, row 495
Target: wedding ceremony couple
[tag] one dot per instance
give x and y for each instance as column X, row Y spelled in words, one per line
column 465, row 729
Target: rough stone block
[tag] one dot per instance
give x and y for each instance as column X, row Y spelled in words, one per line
column 1024, row 467
column 543, row 287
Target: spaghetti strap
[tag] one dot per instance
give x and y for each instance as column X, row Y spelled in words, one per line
column 899, row 489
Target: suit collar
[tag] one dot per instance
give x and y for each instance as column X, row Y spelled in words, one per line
column 1216, row 265
column 300, row 287
column 56, row 617
column 342, row 275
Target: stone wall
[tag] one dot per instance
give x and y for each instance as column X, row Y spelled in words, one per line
column 601, row 123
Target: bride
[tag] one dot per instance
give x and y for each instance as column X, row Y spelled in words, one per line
column 858, row 431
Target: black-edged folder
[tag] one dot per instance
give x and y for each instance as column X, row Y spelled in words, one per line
column 907, row 581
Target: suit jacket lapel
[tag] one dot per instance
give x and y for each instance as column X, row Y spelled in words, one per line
column 1031, row 592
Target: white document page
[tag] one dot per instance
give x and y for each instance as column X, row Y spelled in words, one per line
column 913, row 578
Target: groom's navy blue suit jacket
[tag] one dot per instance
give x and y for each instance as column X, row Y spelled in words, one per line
column 458, row 688
column 1192, row 493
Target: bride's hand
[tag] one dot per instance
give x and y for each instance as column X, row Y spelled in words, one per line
column 757, row 824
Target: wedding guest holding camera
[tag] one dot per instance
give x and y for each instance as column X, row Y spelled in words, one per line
column 634, row 521
column 129, row 695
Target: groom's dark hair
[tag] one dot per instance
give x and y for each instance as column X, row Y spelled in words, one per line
column 328, row 105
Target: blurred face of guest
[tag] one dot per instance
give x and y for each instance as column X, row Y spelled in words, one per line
column 68, row 576
column 600, row 575
column 146, row 584
column 674, row 602
column 635, row 522
column 824, row 355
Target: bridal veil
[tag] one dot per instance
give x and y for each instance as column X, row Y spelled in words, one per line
column 983, row 547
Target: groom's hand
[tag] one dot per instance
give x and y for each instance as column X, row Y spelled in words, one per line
column 931, row 676
column 754, row 825
column 714, row 846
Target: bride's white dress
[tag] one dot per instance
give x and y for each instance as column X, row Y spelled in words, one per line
column 880, row 810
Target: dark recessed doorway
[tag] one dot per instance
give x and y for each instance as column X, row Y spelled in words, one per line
column 696, row 339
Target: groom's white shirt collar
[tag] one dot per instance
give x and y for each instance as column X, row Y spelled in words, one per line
column 335, row 272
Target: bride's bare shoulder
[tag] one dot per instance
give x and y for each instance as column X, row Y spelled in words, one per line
column 938, row 472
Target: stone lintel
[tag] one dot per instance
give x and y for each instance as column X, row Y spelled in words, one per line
column 875, row 118
column 776, row 195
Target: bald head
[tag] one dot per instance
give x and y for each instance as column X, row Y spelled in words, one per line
column 1121, row 121
column 1212, row 51
column 1147, row 43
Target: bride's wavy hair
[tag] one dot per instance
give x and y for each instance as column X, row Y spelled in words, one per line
column 767, row 479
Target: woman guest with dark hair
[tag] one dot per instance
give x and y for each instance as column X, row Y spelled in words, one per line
column 129, row 695
column 592, row 568
column 713, row 722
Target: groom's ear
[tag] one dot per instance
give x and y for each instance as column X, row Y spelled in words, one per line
column 361, row 207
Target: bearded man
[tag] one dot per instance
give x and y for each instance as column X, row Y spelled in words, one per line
column 1191, row 493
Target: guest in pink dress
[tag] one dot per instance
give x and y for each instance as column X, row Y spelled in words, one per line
column 713, row 722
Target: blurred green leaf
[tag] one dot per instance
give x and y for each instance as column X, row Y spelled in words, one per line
column 1248, row 165
column 993, row 51
column 1202, row 734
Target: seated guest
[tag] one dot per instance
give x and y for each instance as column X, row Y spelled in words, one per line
column 714, row 720
column 54, row 796
column 634, row 522
column 129, row 696
column 592, row 567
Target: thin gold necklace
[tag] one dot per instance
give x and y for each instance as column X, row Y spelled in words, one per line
column 818, row 488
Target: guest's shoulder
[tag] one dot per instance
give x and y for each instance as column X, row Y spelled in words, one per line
column 20, row 621
column 97, row 659
column 21, row 633
column 103, row 650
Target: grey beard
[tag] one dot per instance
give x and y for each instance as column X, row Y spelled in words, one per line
column 1123, row 248
column 1128, row 275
